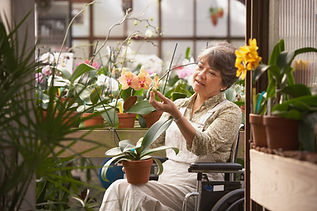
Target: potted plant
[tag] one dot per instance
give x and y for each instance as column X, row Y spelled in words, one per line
column 133, row 88
column 248, row 59
column 282, row 90
column 136, row 159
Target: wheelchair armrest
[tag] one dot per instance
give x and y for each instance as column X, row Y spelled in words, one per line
column 215, row 167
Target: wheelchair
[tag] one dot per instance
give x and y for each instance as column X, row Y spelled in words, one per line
column 230, row 197
column 227, row 195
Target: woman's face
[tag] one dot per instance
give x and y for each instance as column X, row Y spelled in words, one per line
column 206, row 81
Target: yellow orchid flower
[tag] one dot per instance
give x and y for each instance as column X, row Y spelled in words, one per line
column 247, row 58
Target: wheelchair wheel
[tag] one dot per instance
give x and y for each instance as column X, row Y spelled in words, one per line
column 232, row 201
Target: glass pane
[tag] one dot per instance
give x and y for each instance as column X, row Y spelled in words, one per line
column 238, row 43
column 177, row 17
column 237, row 18
column 297, row 26
column 168, row 48
column 212, row 18
column 52, row 24
column 143, row 10
column 203, row 44
column 81, row 51
column 107, row 13
column 80, row 25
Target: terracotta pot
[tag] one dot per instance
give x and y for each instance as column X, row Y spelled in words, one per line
column 93, row 121
column 56, row 114
column 281, row 133
column 126, row 120
column 258, row 130
column 137, row 171
column 152, row 117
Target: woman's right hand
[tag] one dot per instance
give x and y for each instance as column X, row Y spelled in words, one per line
column 166, row 105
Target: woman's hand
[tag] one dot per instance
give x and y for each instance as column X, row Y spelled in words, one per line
column 166, row 105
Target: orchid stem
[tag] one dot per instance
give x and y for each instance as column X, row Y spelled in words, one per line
column 169, row 68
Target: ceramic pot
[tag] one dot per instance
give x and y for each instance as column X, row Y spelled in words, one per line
column 152, row 117
column 281, row 133
column 137, row 171
column 258, row 130
column 126, row 120
column 93, row 121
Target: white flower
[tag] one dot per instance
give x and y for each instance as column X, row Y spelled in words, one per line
column 58, row 81
column 110, row 83
column 149, row 33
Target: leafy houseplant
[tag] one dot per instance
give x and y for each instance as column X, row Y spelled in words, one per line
column 284, row 99
column 128, row 153
column 25, row 133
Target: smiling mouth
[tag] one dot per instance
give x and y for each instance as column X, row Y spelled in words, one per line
column 199, row 83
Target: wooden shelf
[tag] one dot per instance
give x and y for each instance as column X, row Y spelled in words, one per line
column 105, row 137
column 279, row 183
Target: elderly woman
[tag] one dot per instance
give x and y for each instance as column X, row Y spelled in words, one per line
column 204, row 129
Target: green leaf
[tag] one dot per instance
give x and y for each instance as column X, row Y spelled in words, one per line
column 126, row 93
column 158, row 149
column 306, row 132
column 107, row 165
column 291, row 114
column 278, row 48
column 187, row 53
column 114, row 152
column 111, row 116
column 80, row 70
column 142, row 107
column 159, row 165
column 285, row 58
column 178, row 95
column 155, row 131
column 259, row 71
column 66, row 74
column 297, row 90
column 95, row 95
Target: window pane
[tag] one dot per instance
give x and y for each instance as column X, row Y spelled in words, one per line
column 177, row 17
column 168, row 48
column 80, row 25
column 107, row 13
column 297, row 26
column 237, row 18
column 143, row 10
column 212, row 18
column 80, row 50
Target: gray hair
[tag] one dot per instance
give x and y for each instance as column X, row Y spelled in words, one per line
column 221, row 57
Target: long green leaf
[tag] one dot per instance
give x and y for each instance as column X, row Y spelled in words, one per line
column 158, row 149
column 80, row 70
column 142, row 107
column 155, row 131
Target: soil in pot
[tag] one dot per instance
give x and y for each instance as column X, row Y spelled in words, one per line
column 137, row 171
column 281, row 133
column 258, row 130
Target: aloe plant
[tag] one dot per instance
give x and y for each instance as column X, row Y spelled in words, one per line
column 141, row 151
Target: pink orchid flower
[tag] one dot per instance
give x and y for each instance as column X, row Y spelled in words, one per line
column 144, row 80
column 39, row 78
column 128, row 79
